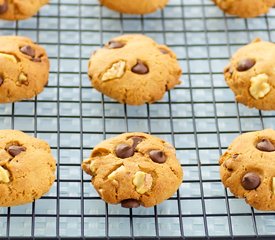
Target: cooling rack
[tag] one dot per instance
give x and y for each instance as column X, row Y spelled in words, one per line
column 200, row 117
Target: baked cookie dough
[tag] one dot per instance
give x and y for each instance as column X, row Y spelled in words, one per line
column 24, row 69
column 20, row 9
column 27, row 168
column 134, row 6
column 245, row 8
column 247, row 168
column 134, row 69
column 251, row 75
column 134, row 169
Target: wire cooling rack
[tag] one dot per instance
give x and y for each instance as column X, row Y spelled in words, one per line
column 200, row 117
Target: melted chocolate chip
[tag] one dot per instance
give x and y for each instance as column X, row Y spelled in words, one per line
column 1, row 80
column 115, row 44
column 265, row 145
column 136, row 141
column 124, row 151
column 4, row 7
column 157, row 156
column 140, row 68
column 251, row 181
column 15, row 150
column 245, row 64
column 28, row 50
column 130, row 203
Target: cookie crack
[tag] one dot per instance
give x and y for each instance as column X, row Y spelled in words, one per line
column 113, row 169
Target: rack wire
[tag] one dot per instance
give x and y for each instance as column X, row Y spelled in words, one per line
column 200, row 117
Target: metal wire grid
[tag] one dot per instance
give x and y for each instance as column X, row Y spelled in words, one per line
column 199, row 117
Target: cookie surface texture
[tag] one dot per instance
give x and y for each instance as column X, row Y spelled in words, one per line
column 251, row 76
column 247, row 168
column 20, row 9
column 134, row 69
column 245, row 8
column 134, row 169
column 134, row 6
column 27, row 168
column 24, row 69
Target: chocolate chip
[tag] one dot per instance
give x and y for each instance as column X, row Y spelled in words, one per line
column 115, row 44
column 157, row 156
column 130, row 203
column 1, row 80
column 4, row 7
column 28, row 50
column 251, row 181
column 245, row 64
column 265, row 145
column 16, row 150
column 140, row 68
column 124, row 151
column 136, row 141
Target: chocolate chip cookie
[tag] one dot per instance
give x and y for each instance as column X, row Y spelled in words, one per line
column 134, row 6
column 248, row 168
column 24, row 69
column 245, row 8
column 133, row 69
column 27, row 168
column 251, row 75
column 134, row 169
column 20, row 9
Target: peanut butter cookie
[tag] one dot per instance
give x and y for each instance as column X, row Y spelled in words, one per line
column 134, row 69
column 24, row 69
column 251, row 75
column 20, row 9
column 134, row 6
column 245, row 8
column 134, row 169
column 27, row 168
column 248, row 168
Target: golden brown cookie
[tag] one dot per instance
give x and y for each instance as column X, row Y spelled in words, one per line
column 245, row 8
column 24, row 69
column 134, row 6
column 251, row 75
column 27, row 168
column 248, row 168
column 134, row 169
column 20, row 9
column 134, row 69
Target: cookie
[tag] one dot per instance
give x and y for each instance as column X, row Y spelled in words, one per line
column 134, row 169
column 134, row 6
column 133, row 69
column 245, row 8
column 248, row 168
column 24, row 69
column 20, row 9
column 251, row 75
column 27, row 168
